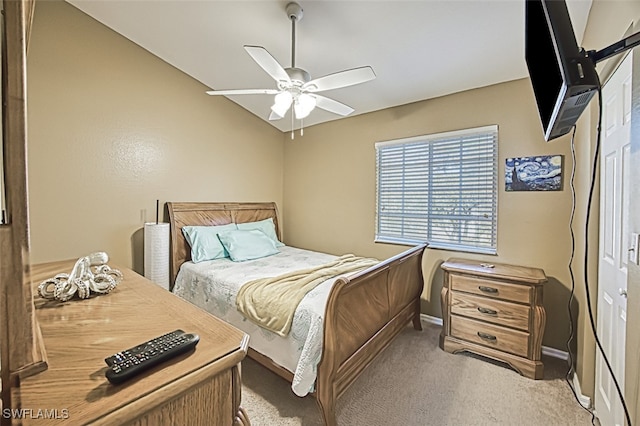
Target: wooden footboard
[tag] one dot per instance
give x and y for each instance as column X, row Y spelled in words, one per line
column 364, row 313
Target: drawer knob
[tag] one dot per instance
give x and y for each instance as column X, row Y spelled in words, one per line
column 486, row 336
column 488, row 289
column 487, row 311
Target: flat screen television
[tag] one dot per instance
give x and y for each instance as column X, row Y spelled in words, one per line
column 563, row 76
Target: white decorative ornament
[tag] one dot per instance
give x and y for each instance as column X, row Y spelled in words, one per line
column 83, row 279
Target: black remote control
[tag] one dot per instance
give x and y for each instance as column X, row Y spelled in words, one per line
column 121, row 356
column 133, row 361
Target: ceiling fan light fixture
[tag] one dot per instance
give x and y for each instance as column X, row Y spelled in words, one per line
column 304, row 105
column 282, row 102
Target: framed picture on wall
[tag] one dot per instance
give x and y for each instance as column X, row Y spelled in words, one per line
column 539, row 173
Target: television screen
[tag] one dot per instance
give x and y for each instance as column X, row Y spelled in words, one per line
column 563, row 77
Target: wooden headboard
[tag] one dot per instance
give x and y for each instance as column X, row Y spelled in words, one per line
column 208, row 214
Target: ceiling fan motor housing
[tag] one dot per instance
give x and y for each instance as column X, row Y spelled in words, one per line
column 298, row 75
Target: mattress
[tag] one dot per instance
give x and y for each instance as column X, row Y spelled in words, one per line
column 213, row 286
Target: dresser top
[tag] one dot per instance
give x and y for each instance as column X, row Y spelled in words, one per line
column 80, row 333
column 523, row 274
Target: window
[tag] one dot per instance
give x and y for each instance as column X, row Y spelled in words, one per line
column 440, row 189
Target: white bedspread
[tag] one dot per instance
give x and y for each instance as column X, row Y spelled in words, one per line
column 213, row 286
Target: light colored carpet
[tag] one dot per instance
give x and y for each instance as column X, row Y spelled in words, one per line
column 414, row 382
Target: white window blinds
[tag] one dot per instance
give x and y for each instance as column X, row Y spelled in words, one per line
column 440, row 189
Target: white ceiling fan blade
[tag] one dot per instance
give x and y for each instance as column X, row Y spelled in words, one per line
column 268, row 63
column 332, row 106
column 243, row 92
column 340, row 79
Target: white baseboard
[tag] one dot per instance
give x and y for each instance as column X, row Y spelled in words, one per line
column 555, row 353
column 585, row 401
column 431, row 320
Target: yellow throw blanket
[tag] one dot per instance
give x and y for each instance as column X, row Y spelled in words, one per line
column 272, row 302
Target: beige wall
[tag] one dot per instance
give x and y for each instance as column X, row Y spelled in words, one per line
column 330, row 188
column 113, row 128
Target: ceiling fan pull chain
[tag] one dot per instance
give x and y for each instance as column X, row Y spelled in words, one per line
column 292, row 129
column 302, row 127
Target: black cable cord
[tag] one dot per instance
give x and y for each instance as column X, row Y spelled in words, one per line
column 573, row 281
column 586, row 261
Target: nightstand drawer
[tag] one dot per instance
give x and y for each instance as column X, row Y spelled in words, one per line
column 490, row 310
column 500, row 338
column 490, row 288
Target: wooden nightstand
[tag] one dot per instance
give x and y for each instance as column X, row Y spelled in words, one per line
column 495, row 311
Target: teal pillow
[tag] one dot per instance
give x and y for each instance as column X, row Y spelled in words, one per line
column 267, row 226
column 204, row 241
column 243, row 244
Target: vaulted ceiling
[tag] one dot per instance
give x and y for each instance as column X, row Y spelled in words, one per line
column 418, row 49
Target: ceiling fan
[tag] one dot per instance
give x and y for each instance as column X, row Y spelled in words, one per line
column 294, row 85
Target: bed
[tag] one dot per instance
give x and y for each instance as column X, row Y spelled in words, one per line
column 363, row 312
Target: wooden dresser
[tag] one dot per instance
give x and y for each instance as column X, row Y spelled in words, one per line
column 201, row 387
column 494, row 310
